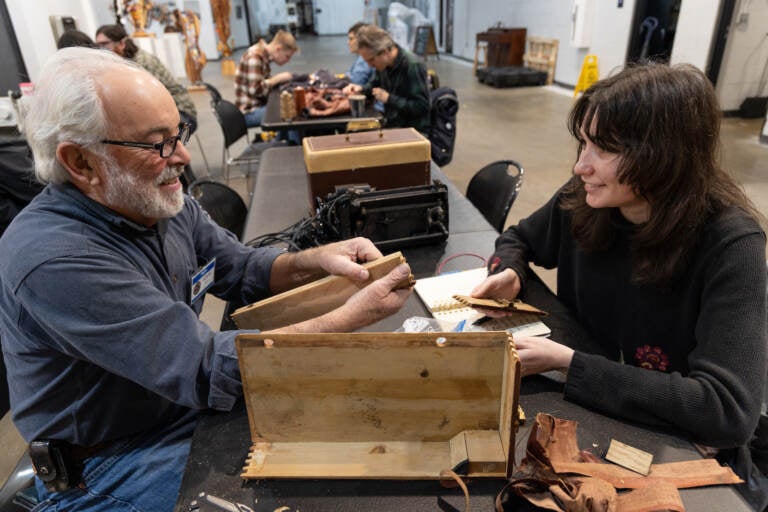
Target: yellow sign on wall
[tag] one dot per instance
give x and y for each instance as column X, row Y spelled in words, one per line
column 589, row 75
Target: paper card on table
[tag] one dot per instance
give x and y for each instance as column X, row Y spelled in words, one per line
column 629, row 457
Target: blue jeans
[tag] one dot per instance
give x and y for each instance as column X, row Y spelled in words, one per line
column 138, row 474
column 254, row 117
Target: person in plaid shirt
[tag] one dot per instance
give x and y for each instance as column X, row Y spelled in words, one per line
column 253, row 79
column 400, row 81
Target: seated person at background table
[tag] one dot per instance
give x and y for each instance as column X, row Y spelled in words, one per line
column 115, row 38
column 360, row 72
column 659, row 255
column 253, row 79
column 75, row 38
column 98, row 314
column 400, row 81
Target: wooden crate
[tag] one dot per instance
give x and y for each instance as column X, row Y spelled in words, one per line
column 542, row 55
column 380, row 405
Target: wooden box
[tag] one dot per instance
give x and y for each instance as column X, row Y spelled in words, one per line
column 380, row 405
column 383, row 159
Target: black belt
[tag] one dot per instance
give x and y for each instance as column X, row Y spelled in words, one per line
column 60, row 464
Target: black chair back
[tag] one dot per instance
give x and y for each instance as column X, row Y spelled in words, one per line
column 214, row 92
column 494, row 188
column 223, row 204
column 231, row 120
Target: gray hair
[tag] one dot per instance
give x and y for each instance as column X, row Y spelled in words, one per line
column 66, row 106
column 374, row 38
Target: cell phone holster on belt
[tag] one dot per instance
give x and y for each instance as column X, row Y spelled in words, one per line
column 54, row 464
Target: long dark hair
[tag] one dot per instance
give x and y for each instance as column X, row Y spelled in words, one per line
column 664, row 122
column 117, row 33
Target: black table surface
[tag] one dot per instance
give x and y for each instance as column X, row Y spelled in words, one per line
column 221, row 440
column 273, row 121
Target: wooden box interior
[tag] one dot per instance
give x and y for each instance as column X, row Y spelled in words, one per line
column 380, row 405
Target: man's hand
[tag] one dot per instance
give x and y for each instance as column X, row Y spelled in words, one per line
column 352, row 89
column 539, row 355
column 380, row 94
column 378, row 300
column 280, row 78
column 344, row 258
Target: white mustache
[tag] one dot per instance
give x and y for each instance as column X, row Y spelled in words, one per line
column 169, row 172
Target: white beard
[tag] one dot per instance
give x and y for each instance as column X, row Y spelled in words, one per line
column 124, row 191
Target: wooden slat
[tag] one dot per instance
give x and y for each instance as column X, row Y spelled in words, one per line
column 485, row 453
column 310, row 300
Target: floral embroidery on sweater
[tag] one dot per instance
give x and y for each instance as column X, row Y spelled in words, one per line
column 651, row 358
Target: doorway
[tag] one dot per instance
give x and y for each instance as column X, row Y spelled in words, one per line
column 10, row 55
column 653, row 30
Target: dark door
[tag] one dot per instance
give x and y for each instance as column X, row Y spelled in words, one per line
column 11, row 62
column 653, row 30
column 721, row 37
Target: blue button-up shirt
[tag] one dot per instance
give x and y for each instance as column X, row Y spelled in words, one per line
column 99, row 333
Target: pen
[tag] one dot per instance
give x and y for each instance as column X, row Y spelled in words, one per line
column 460, row 326
column 481, row 320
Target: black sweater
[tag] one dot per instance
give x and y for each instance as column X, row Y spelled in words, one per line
column 694, row 354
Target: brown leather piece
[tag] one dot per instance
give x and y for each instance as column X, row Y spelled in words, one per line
column 326, row 102
column 554, row 440
column 556, row 475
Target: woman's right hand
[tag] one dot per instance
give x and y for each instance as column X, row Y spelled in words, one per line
column 504, row 285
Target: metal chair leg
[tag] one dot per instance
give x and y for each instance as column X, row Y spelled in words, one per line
column 205, row 160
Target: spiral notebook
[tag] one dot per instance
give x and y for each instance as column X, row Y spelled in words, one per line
column 437, row 294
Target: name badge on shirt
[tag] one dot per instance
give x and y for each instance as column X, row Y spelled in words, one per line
column 203, row 279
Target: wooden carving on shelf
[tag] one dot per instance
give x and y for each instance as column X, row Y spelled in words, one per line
column 139, row 11
column 221, row 12
column 194, row 60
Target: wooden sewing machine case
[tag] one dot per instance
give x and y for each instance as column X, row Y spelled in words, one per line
column 383, row 159
column 380, row 405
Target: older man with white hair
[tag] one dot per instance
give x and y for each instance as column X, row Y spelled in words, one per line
column 108, row 361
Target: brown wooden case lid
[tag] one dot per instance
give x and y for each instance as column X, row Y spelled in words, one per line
column 329, row 153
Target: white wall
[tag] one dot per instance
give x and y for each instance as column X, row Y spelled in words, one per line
column 745, row 58
column 695, row 32
column 238, row 27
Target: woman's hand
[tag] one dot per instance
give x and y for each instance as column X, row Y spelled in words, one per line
column 504, row 285
column 539, row 355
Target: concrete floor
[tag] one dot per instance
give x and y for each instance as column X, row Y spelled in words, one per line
column 523, row 124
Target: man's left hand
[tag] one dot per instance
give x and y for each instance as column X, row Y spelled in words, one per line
column 380, row 94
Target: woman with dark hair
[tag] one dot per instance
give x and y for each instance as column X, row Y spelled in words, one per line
column 74, row 37
column 661, row 258
column 115, row 38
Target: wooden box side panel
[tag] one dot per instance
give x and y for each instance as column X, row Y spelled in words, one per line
column 377, row 387
column 380, row 177
column 510, row 402
column 310, row 300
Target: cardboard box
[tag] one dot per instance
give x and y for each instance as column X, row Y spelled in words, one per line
column 380, row 405
column 383, row 159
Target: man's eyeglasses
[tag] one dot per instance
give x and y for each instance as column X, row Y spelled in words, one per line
column 165, row 147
